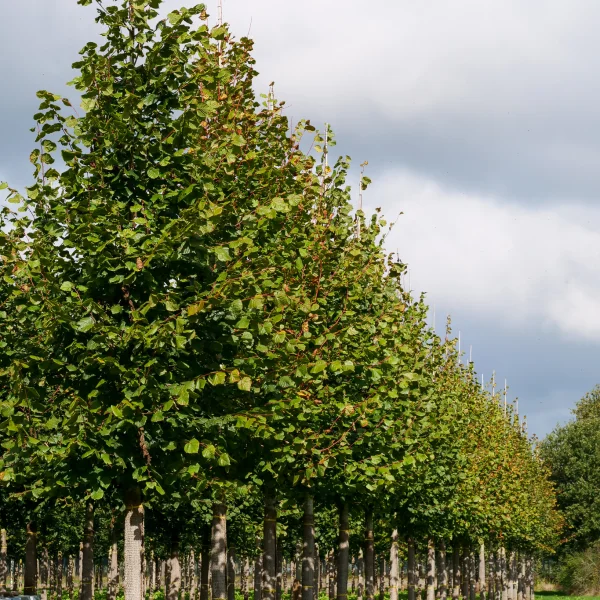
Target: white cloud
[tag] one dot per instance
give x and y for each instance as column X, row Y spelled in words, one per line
column 526, row 267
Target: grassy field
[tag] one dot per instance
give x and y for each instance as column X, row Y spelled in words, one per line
column 561, row 596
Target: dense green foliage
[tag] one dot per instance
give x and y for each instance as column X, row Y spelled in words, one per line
column 572, row 452
column 192, row 309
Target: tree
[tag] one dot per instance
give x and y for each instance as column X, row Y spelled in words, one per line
column 572, row 453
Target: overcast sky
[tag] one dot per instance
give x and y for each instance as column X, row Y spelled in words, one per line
column 480, row 122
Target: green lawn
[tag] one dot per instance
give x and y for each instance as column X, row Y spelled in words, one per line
column 562, row 596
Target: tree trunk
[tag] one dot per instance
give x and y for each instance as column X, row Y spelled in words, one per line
column 87, row 567
column 258, row 577
column 512, row 570
column 317, row 585
column 278, row 572
column 464, row 567
column 430, row 570
column 455, row 572
column 59, row 574
column 308, row 550
column 113, row 566
column 245, row 577
column 528, row 579
column 205, row 566
column 44, row 573
column 382, row 578
column 231, row 573
column 343, row 552
column 70, row 575
column 482, row 581
column 369, row 556
column 134, row 545
column 331, row 575
column 193, row 576
column 269, row 548
column 411, row 570
column 443, row 574
column 394, row 570
column 30, row 587
column 218, row 554
column 3, row 560
column 174, row 570
column 360, row 566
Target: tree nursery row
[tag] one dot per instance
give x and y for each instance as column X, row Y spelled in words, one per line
column 208, row 358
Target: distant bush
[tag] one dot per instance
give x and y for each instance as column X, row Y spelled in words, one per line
column 580, row 571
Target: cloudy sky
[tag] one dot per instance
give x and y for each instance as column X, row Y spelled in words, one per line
column 481, row 124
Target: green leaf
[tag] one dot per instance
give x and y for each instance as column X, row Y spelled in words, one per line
column 153, row 173
column 209, row 451
column 192, row 446
column 336, row 366
column 319, row 366
column 223, row 460
column 243, row 323
column 217, row 378
column 97, row 494
column 85, row 324
column 66, row 286
column 222, row 253
column 245, row 384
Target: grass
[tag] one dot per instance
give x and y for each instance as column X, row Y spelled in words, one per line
column 563, row 596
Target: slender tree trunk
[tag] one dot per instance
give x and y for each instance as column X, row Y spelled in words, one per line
column 158, row 568
column 30, row 587
column 482, row 577
column 231, row 573
column 443, row 578
column 343, row 552
column 520, row 576
column 455, row 572
column 278, row 571
column 3, row 560
column 299, row 551
column 361, row 575
column 369, row 555
column 382, row 578
column 308, row 550
column 193, row 576
column 218, row 555
column 430, row 570
column 472, row 575
column 113, row 565
column 245, row 577
column 44, row 573
column 394, row 566
column 59, row 575
column 503, row 573
column 464, row 567
column 269, row 548
column 331, row 577
column 411, row 570
column 87, row 567
column 317, row 584
column 174, row 569
column 70, row 575
column 80, row 557
column 134, row 545
column 258, row 577
column 205, row 566
column 513, row 576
